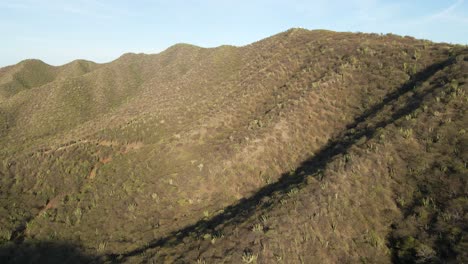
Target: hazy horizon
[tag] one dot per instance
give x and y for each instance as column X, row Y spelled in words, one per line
column 58, row 32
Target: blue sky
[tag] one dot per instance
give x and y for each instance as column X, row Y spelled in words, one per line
column 59, row 31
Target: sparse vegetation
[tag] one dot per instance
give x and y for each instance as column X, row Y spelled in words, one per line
column 305, row 147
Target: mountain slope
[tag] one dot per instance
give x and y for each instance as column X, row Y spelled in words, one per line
column 374, row 182
column 319, row 129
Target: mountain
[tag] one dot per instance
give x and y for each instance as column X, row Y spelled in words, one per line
column 305, row 147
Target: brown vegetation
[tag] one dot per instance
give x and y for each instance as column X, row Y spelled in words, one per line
column 305, row 147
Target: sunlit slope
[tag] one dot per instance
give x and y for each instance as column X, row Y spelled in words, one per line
column 158, row 142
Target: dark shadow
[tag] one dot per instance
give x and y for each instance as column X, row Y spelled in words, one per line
column 240, row 211
column 50, row 252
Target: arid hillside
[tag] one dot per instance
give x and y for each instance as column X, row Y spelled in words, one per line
column 305, row 147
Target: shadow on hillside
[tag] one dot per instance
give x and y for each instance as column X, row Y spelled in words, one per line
column 240, row 211
column 43, row 252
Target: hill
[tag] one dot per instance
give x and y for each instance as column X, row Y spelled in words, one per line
column 305, row 147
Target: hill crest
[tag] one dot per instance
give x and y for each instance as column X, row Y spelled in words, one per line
column 339, row 144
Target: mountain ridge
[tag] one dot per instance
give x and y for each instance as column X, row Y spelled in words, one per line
column 187, row 139
column 181, row 44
